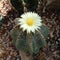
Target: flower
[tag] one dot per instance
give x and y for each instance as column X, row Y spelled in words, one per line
column 30, row 22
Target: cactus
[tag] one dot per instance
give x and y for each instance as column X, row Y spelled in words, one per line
column 28, row 43
column 1, row 17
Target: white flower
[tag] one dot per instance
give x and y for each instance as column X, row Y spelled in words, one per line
column 30, row 22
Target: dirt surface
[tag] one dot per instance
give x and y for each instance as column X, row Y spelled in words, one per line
column 9, row 52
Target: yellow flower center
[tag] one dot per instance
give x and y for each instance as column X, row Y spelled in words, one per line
column 29, row 21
